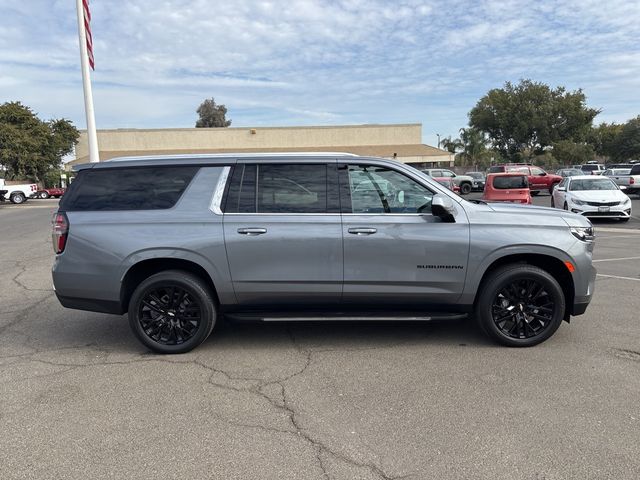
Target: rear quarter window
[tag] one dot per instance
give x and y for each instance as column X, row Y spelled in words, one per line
column 136, row 188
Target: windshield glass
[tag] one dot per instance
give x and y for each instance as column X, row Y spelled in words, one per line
column 514, row 181
column 592, row 184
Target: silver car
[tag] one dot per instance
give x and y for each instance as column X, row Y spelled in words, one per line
column 178, row 241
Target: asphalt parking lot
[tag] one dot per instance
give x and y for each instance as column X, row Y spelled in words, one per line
column 80, row 398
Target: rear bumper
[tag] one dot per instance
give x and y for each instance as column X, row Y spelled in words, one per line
column 91, row 305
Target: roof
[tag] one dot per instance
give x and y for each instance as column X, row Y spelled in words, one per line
column 409, row 150
column 217, row 159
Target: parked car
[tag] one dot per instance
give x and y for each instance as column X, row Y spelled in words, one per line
column 569, row 172
column 592, row 168
column 178, row 241
column 464, row 182
column 479, row 180
column 49, row 192
column 539, row 180
column 507, row 187
column 18, row 193
column 503, row 167
column 598, row 197
column 447, row 182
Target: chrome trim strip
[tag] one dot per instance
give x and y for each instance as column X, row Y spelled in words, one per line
column 216, row 200
column 329, row 214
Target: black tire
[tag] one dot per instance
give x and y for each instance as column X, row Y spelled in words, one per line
column 565, row 206
column 535, row 192
column 465, row 188
column 44, row 195
column 172, row 312
column 520, row 305
column 553, row 204
column 18, row 198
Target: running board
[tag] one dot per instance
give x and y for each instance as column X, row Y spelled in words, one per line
column 271, row 317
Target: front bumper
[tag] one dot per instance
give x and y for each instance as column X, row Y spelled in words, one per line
column 591, row 211
column 581, row 302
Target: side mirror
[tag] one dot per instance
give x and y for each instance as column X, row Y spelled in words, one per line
column 443, row 208
column 562, row 189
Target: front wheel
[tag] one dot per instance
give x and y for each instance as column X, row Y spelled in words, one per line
column 465, row 188
column 18, row 198
column 172, row 312
column 520, row 305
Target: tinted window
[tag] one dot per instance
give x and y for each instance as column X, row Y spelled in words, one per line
column 590, row 168
column 373, row 189
column 503, row 183
column 292, row 189
column 146, row 188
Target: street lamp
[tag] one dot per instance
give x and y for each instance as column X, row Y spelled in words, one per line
column 438, row 139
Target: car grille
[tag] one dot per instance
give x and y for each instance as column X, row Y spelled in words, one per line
column 604, row 214
column 603, row 204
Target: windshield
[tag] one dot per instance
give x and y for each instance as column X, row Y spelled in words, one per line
column 513, row 181
column 592, row 184
column 590, row 168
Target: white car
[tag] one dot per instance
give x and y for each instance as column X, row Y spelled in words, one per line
column 592, row 196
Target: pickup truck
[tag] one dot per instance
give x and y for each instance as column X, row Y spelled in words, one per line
column 17, row 193
column 539, row 180
column 627, row 178
column 49, row 192
column 463, row 182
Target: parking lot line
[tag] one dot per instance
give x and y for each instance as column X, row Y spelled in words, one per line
column 615, row 259
column 617, row 230
column 618, row 277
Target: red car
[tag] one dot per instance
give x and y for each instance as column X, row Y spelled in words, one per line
column 49, row 192
column 539, row 180
column 507, row 187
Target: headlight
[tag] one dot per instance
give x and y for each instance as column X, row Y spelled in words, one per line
column 585, row 234
column 624, row 202
column 578, row 202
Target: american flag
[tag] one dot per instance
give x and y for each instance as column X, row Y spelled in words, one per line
column 87, row 29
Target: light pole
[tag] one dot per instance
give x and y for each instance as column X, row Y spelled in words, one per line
column 438, row 139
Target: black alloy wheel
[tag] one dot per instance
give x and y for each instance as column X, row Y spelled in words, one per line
column 520, row 305
column 172, row 312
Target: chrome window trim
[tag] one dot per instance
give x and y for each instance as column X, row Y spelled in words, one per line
column 336, row 213
column 216, row 200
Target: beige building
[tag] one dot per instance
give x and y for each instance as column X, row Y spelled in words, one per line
column 402, row 141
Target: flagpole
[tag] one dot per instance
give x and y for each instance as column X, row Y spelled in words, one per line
column 86, row 84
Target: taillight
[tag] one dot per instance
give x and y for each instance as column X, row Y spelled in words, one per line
column 60, row 230
column 632, row 180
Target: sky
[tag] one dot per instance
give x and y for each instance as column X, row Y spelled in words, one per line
column 312, row 62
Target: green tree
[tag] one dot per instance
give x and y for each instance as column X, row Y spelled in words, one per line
column 567, row 152
column 522, row 120
column 627, row 144
column 473, row 147
column 604, row 138
column 212, row 115
column 451, row 145
column 30, row 147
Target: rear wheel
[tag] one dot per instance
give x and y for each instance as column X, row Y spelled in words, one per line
column 465, row 188
column 172, row 312
column 520, row 305
column 44, row 195
column 18, row 198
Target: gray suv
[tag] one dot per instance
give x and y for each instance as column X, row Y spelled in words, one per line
column 178, row 241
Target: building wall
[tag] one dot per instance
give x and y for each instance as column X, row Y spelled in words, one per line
column 243, row 138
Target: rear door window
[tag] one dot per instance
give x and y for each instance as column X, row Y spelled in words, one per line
column 283, row 188
column 134, row 188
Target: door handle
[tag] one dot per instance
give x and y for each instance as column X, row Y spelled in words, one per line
column 362, row 231
column 252, row 231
